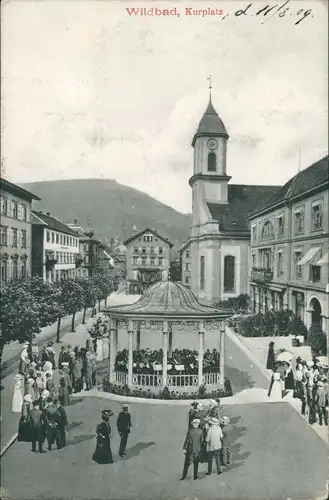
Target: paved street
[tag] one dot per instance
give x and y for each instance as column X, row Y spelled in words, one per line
column 270, row 441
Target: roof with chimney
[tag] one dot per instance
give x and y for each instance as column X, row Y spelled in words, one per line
column 210, row 124
column 147, row 230
column 51, row 223
column 311, row 178
column 242, row 199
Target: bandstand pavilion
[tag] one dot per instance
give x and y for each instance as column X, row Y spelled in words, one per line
column 165, row 309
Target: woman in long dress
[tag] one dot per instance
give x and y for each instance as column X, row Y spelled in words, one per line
column 103, row 452
column 24, row 426
column 63, row 393
column 17, row 401
column 99, row 350
column 275, row 390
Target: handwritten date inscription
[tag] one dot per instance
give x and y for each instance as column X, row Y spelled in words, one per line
column 269, row 11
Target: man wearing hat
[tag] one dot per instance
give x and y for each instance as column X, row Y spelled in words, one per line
column 38, row 424
column 192, row 413
column 103, row 453
column 214, row 444
column 123, row 426
column 192, row 449
column 321, row 401
column 227, row 430
column 52, row 420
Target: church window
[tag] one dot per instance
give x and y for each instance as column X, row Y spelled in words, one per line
column 211, row 162
column 229, row 264
column 202, row 272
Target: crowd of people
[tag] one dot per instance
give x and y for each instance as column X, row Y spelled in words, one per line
column 43, row 388
column 308, row 380
column 312, row 388
column 184, row 361
column 209, row 437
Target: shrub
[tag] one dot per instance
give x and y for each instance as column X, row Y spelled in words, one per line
column 317, row 340
column 165, row 394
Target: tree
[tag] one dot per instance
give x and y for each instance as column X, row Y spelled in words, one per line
column 26, row 307
column 71, row 297
column 88, row 295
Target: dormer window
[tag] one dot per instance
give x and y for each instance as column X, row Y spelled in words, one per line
column 211, row 162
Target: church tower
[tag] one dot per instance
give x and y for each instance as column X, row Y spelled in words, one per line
column 209, row 180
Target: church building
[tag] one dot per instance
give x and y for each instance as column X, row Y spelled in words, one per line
column 214, row 260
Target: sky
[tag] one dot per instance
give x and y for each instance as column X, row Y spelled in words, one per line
column 91, row 92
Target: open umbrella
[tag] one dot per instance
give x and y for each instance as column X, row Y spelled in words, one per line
column 323, row 360
column 285, row 357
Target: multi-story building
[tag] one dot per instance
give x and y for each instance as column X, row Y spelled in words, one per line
column 289, row 248
column 16, row 233
column 186, row 264
column 147, row 257
column 175, row 270
column 55, row 248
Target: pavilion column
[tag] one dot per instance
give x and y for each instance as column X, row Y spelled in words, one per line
column 130, row 353
column 170, row 340
column 165, row 334
column 201, row 346
column 138, row 336
column 112, row 350
column 222, row 353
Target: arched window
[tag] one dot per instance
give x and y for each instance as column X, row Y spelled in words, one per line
column 229, row 264
column 211, row 162
column 202, row 272
column 267, row 231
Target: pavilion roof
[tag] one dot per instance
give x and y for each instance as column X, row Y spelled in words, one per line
column 167, row 300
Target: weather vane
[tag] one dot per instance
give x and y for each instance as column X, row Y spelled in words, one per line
column 210, row 87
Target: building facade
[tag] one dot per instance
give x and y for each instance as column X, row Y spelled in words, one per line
column 289, row 248
column 16, row 232
column 55, row 249
column 147, row 257
column 214, row 260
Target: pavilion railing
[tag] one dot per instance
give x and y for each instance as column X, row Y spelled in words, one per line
column 147, row 380
column 211, row 378
column 153, row 380
column 182, row 380
column 121, row 378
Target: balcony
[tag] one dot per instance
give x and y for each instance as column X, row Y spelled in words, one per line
column 261, row 274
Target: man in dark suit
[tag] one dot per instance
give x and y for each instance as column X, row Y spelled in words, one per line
column 192, row 449
column 62, row 423
column 52, row 419
column 37, row 427
column 123, row 426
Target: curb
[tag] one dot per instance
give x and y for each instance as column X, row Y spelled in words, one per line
column 231, row 400
column 8, row 444
column 245, row 349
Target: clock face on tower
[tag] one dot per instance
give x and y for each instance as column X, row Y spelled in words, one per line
column 212, row 144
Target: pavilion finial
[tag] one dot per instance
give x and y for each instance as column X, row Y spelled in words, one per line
column 210, row 86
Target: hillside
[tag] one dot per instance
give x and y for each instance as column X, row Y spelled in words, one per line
column 108, row 207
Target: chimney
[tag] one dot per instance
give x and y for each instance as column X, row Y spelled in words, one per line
column 75, row 222
column 48, row 213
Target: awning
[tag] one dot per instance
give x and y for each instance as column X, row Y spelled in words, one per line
column 310, row 256
column 324, row 260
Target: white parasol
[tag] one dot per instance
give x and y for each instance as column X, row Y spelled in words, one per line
column 323, row 360
column 285, row 356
